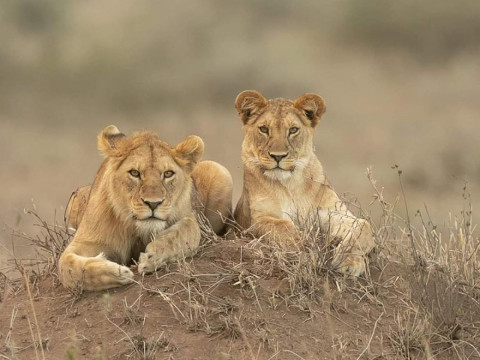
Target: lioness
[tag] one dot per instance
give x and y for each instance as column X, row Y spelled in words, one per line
column 140, row 207
column 284, row 180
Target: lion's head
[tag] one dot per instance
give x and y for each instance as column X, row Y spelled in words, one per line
column 278, row 132
column 146, row 181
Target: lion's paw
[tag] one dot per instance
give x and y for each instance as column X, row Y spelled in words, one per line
column 349, row 264
column 99, row 274
column 148, row 263
column 125, row 275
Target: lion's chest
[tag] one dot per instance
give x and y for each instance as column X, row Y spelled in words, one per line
column 295, row 208
column 288, row 209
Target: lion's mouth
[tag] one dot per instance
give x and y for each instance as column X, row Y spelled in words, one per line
column 150, row 218
column 278, row 167
column 266, row 168
column 154, row 218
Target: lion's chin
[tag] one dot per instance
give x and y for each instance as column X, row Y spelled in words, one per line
column 150, row 225
column 278, row 174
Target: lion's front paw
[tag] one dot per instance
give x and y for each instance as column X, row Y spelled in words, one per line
column 349, row 264
column 148, row 263
column 125, row 275
column 286, row 235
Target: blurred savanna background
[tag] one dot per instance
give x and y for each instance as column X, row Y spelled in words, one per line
column 401, row 81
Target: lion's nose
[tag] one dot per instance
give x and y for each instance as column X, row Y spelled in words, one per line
column 153, row 204
column 278, row 157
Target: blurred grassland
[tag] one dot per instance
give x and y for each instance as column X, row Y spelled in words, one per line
column 401, row 81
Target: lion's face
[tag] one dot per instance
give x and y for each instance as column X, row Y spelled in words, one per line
column 147, row 179
column 278, row 132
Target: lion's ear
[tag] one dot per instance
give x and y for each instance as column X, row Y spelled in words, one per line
column 311, row 106
column 190, row 151
column 108, row 141
column 248, row 103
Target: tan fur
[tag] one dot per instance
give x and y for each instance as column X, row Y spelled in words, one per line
column 284, row 181
column 76, row 206
column 149, row 217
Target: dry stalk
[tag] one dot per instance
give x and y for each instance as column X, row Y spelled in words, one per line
column 40, row 343
column 244, row 338
column 34, row 342
column 10, row 329
column 371, row 337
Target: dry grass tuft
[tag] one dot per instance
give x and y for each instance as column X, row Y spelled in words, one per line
column 147, row 348
column 144, row 348
column 49, row 243
column 442, row 273
column 132, row 313
column 206, row 312
column 411, row 334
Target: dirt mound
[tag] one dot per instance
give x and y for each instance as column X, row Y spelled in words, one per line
column 211, row 307
column 243, row 299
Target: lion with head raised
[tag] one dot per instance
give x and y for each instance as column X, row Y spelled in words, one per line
column 284, row 181
column 140, row 207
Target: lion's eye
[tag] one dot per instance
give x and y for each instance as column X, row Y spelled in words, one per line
column 168, row 174
column 263, row 129
column 293, row 130
column 134, row 173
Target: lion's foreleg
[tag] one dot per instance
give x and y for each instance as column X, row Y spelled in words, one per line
column 179, row 240
column 91, row 272
column 282, row 232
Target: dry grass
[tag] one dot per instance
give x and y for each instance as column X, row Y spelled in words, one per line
column 145, row 348
column 48, row 242
column 411, row 333
column 441, row 280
